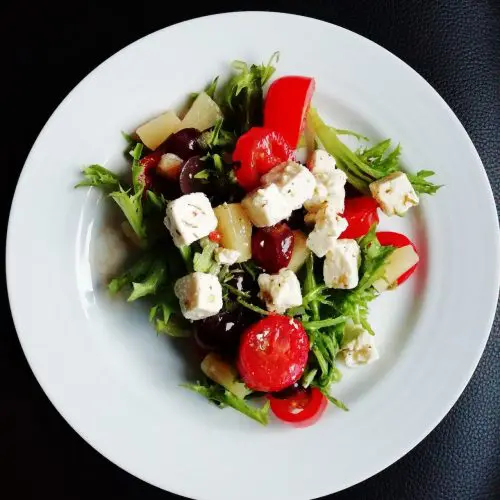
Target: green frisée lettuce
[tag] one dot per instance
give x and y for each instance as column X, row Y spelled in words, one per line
column 242, row 97
column 367, row 164
column 222, row 397
column 98, row 176
column 131, row 206
column 137, row 271
column 151, row 282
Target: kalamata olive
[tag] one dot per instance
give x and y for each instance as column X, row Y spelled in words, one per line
column 187, row 180
column 296, row 220
column 222, row 332
column 272, row 247
column 183, row 143
column 244, row 282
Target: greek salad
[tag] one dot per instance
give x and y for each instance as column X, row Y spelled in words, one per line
column 255, row 233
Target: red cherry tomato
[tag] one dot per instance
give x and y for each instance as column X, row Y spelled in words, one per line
column 398, row 240
column 272, row 247
column 258, row 151
column 273, row 353
column 361, row 214
column 286, row 106
column 302, row 408
column 215, row 236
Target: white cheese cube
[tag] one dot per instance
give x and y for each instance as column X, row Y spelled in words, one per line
column 340, row 269
column 400, row 261
column 394, row 193
column 295, row 182
column 226, row 256
column 280, row 291
column 199, row 294
column 190, row 218
column 329, row 226
column 360, row 351
column 322, row 162
column 266, row 206
column 330, row 184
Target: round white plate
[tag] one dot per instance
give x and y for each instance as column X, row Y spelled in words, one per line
column 117, row 383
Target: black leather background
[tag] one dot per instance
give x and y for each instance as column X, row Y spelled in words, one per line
column 47, row 50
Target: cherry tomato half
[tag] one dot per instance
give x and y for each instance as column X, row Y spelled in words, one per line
column 398, row 240
column 361, row 214
column 258, row 151
column 273, row 353
column 286, row 105
column 302, row 408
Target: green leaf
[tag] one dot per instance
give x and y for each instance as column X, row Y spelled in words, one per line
column 157, row 202
column 241, row 98
column 216, row 393
column 131, row 206
column 310, row 287
column 167, row 321
column 98, row 176
column 202, row 262
column 202, row 174
column 421, row 184
column 368, row 164
column 212, row 87
column 136, row 272
column 137, row 169
column 360, row 137
column 324, row 323
column 187, row 256
column 335, row 401
column 150, row 283
column 252, row 307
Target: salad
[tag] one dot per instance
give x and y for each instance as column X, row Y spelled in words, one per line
column 254, row 229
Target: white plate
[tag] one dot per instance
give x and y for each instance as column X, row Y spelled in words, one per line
column 116, row 382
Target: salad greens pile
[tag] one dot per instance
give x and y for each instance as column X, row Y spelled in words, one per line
column 332, row 317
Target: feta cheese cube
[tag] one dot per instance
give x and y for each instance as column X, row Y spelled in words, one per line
column 226, row 256
column 199, row 294
column 322, row 162
column 330, row 184
column 329, row 226
column 340, row 269
column 394, row 193
column 280, row 291
column 295, row 182
column 360, row 351
column 190, row 218
column 266, row 206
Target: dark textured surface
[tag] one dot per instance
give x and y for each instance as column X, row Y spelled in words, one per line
column 454, row 44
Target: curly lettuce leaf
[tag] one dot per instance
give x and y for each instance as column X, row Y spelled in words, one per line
column 367, row 164
column 222, row 397
column 98, row 176
column 242, row 97
column 203, row 261
column 137, row 271
column 131, row 206
column 151, row 282
column 137, row 168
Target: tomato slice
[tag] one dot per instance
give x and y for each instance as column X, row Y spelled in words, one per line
column 273, row 353
column 398, row 240
column 302, row 408
column 258, row 151
column 286, row 105
column 361, row 214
